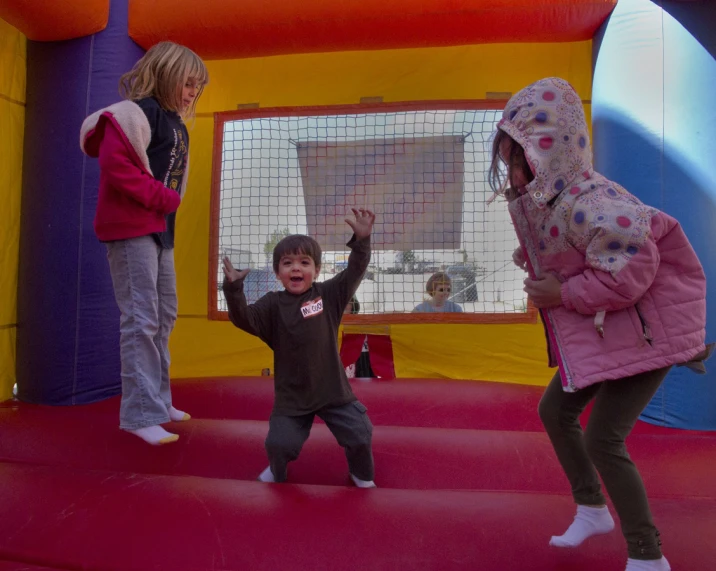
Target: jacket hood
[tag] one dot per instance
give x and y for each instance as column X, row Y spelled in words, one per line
column 131, row 121
column 547, row 121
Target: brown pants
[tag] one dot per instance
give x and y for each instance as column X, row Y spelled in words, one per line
column 617, row 406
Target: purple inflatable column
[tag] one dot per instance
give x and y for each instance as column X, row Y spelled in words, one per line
column 68, row 322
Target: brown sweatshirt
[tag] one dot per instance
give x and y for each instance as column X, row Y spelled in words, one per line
column 302, row 331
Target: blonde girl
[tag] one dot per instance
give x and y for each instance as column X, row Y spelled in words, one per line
column 143, row 149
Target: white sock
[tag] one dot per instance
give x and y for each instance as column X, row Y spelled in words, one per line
column 177, row 415
column 155, row 435
column 588, row 522
column 648, row 565
column 363, row 483
column 267, row 476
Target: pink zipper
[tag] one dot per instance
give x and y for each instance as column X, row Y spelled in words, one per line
column 546, row 319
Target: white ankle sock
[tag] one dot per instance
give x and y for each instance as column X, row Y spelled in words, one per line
column 648, row 565
column 155, row 435
column 177, row 415
column 589, row 521
column 363, row 483
column 267, row 476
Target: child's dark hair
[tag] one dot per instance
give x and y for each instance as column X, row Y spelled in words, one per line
column 355, row 305
column 516, row 159
column 435, row 280
column 297, row 244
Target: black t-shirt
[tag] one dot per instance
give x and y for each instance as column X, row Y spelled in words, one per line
column 167, row 153
column 302, row 330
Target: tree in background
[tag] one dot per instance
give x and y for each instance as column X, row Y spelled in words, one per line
column 274, row 238
column 407, row 259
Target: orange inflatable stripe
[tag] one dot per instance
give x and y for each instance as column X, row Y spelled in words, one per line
column 227, row 29
column 52, row 20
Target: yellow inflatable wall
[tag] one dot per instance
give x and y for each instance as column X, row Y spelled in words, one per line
column 508, row 353
column 12, row 124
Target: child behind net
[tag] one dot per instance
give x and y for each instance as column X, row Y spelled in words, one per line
column 438, row 287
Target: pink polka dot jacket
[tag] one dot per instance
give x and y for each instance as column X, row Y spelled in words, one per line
column 633, row 289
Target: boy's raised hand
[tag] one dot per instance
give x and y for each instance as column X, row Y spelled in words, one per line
column 231, row 273
column 363, row 224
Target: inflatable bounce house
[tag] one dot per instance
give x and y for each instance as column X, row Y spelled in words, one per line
column 314, row 107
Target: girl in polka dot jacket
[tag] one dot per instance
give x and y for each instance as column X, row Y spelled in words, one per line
column 621, row 294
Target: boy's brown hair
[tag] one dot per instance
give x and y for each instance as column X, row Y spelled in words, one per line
column 297, row 244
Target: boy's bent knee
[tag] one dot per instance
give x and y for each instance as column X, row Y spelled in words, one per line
column 349, row 424
column 357, row 436
column 361, row 437
column 286, row 445
column 362, row 431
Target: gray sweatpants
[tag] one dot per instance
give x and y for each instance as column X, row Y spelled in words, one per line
column 145, row 289
column 617, row 406
column 350, row 425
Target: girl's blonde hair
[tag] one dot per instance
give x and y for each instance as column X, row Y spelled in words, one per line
column 162, row 73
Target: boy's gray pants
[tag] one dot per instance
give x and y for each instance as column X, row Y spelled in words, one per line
column 350, row 425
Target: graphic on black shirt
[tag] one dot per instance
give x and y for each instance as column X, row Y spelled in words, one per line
column 167, row 153
column 177, row 162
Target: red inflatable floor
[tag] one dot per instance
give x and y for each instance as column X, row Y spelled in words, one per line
column 20, row 566
column 467, row 480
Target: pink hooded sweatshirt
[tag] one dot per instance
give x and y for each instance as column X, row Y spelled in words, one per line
column 131, row 202
column 633, row 290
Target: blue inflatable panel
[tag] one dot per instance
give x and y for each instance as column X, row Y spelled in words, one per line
column 655, row 133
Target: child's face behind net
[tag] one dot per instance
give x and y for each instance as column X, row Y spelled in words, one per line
column 441, row 292
column 439, row 287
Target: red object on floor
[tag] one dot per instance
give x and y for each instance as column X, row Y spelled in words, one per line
column 467, row 480
column 351, row 347
column 380, row 353
column 19, row 566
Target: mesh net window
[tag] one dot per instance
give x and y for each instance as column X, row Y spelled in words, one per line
column 423, row 172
